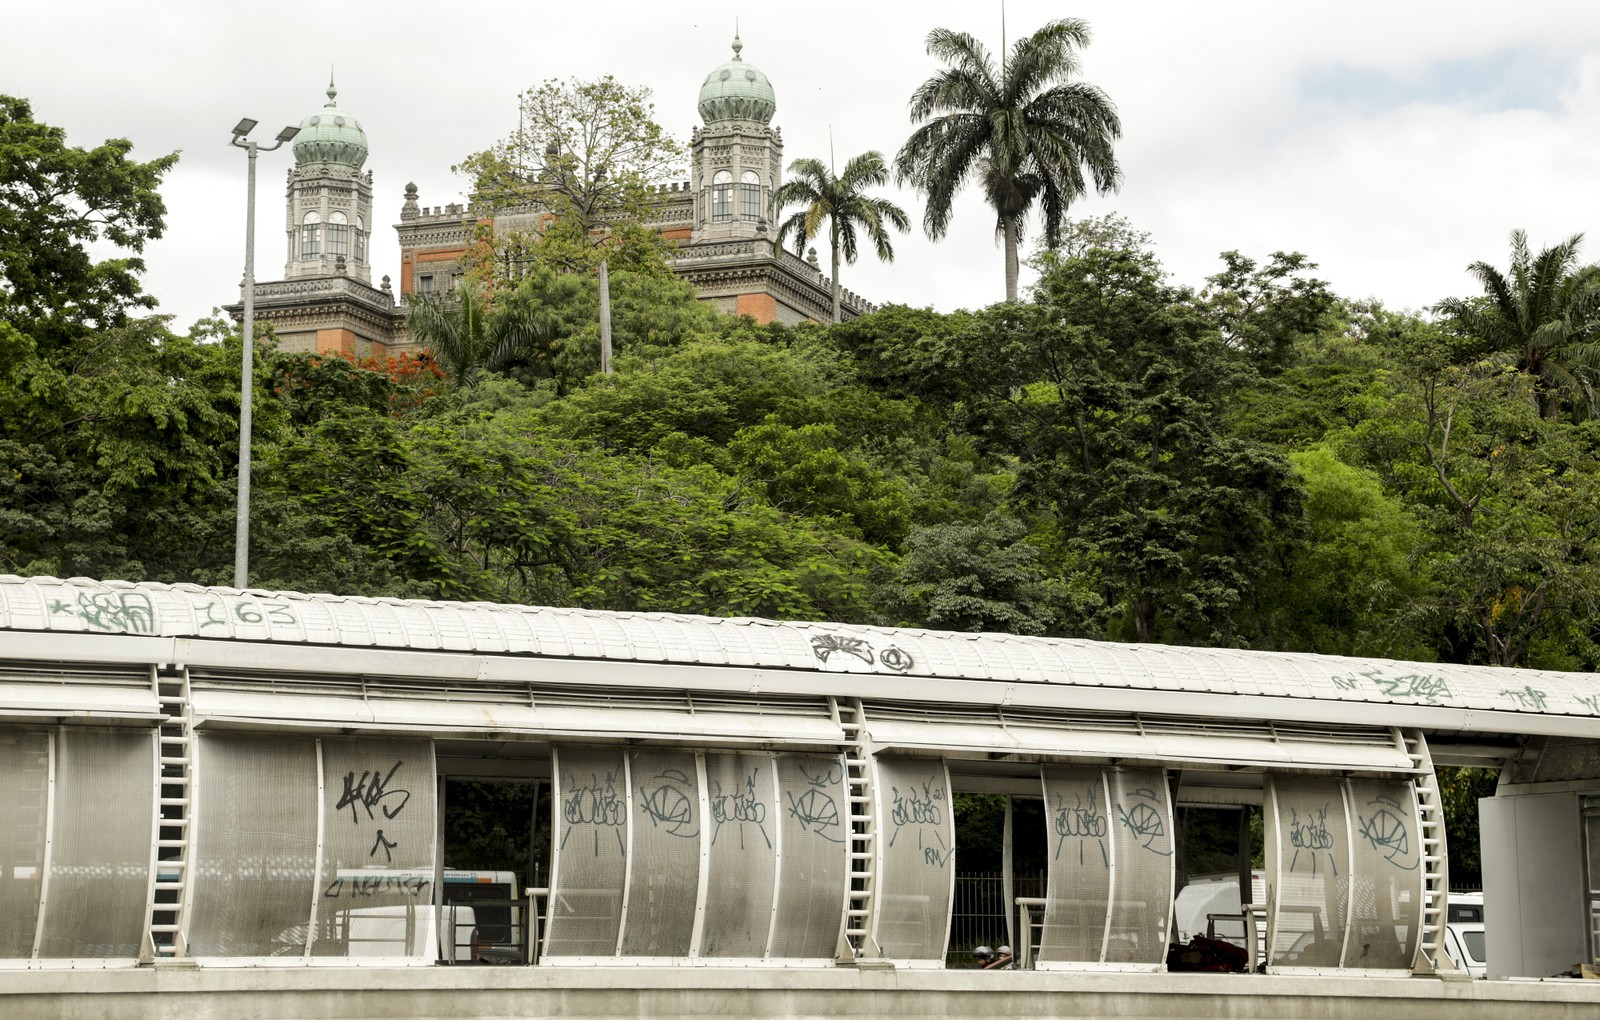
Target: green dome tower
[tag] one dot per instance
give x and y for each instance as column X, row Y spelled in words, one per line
column 329, row 217
column 737, row 155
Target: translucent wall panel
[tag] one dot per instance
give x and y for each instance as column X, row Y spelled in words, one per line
column 98, row 900
column 1591, row 842
column 916, row 831
column 1142, row 861
column 379, row 834
column 25, row 764
column 664, row 882
column 255, row 845
column 1311, row 869
column 591, row 852
column 1386, row 875
column 1078, row 822
column 814, row 869
column 743, row 820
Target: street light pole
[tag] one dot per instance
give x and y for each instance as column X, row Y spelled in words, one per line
column 241, row 540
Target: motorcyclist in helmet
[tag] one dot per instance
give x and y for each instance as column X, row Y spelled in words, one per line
column 994, row 959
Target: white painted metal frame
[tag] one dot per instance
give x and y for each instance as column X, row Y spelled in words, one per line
column 557, row 821
column 1348, row 796
column 148, row 939
column 703, row 879
column 1112, row 835
column 777, row 851
column 950, row 891
column 49, row 838
column 627, row 860
column 316, row 868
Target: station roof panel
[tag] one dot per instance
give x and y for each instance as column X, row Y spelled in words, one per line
column 84, row 606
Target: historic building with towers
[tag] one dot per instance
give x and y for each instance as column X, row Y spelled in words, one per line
column 720, row 220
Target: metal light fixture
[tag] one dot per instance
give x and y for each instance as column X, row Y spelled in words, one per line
column 241, row 544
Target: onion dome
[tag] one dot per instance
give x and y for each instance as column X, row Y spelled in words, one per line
column 331, row 136
column 737, row 91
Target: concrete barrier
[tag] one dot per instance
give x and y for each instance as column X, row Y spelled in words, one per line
column 693, row 993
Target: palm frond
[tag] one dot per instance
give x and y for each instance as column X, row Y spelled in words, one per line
column 1030, row 135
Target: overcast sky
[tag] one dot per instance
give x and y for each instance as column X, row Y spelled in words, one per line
column 1393, row 142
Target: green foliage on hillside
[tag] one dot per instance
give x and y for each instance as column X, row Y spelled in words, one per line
column 1119, row 457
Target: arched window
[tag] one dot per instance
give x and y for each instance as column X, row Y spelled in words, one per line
column 310, row 235
column 722, row 197
column 361, row 239
column 749, row 196
column 338, row 234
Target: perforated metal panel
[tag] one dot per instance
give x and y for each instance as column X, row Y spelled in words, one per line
column 379, row 833
column 1386, row 870
column 668, row 825
column 255, row 845
column 591, row 852
column 25, row 764
column 917, row 858
column 1078, row 896
column 742, row 791
column 97, row 903
column 1142, row 859
column 814, row 870
column 1311, row 867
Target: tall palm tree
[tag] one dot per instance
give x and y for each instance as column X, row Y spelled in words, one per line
column 466, row 334
column 843, row 202
column 1546, row 315
column 1025, row 133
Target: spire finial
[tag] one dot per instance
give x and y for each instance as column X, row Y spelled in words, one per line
column 332, row 92
column 737, row 45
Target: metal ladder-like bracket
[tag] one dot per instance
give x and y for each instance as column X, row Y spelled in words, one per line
column 856, row 944
column 1431, row 956
column 171, row 879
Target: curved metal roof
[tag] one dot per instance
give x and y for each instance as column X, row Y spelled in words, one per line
column 86, row 606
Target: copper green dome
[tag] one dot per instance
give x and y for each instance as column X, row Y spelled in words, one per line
column 737, row 91
column 331, row 136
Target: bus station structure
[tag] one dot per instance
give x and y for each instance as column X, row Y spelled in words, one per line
column 223, row 801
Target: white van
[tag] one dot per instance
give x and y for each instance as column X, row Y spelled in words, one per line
column 402, row 931
column 1463, row 936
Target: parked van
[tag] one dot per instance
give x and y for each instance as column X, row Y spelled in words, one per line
column 1463, row 937
column 387, row 932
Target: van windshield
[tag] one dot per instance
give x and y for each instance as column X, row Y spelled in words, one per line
column 1473, row 941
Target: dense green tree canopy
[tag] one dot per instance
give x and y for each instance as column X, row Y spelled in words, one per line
column 56, row 201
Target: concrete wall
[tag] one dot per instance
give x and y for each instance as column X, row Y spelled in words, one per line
column 489, row 993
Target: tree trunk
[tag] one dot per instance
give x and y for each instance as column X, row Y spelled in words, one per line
column 838, row 311
column 1009, row 224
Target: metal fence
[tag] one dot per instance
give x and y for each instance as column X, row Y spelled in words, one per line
column 982, row 916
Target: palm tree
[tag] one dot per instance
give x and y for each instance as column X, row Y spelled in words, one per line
column 465, row 333
column 1025, row 134
column 843, row 202
column 1546, row 315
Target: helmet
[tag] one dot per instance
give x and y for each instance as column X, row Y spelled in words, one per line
column 1003, row 951
column 983, row 952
